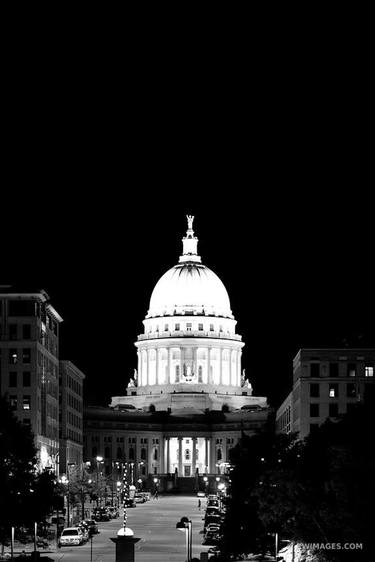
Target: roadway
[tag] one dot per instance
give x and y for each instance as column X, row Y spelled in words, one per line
column 154, row 522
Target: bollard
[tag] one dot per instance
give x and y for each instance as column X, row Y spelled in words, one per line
column 125, row 546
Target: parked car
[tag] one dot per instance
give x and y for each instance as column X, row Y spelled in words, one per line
column 71, row 536
column 139, row 498
column 85, row 530
column 212, row 497
column 93, row 526
column 101, row 514
column 213, row 503
column 147, row 496
column 114, row 512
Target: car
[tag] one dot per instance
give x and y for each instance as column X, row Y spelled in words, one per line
column 101, row 514
column 85, row 530
column 114, row 512
column 139, row 498
column 71, row 536
column 201, row 494
column 213, row 503
column 93, row 526
column 212, row 510
column 212, row 497
column 147, row 496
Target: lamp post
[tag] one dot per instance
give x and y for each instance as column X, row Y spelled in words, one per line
column 205, row 480
column 118, row 485
column 217, row 482
column 99, row 460
column 63, row 480
column 186, row 525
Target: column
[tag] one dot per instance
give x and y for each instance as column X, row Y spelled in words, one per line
column 209, row 378
column 194, row 456
column 170, row 380
column 206, row 459
column 239, row 366
column 157, row 366
column 230, row 366
column 139, row 368
column 221, row 367
column 180, row 456
column 148, row 366
column 194, row 366
column 182, row 357
column 168, row 456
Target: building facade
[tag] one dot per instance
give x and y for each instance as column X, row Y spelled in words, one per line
column 70, row 415
column 29, row 366
column 188, row 401
column 326, row 384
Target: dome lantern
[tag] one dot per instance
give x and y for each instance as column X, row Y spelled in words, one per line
column 190, row 244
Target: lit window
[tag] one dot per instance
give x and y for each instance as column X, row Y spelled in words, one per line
column 333, row 390
column 369, row 371
column 13, row 357
column 26, row 403
column 351, row 370
column 13, row 402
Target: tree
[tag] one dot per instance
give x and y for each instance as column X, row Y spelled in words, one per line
column 26, row 495
column 17, row 470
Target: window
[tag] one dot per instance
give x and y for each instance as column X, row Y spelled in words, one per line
column 154, row 441
column 13, row 356
column 107, row 452
column 12, row 331
column 143, row 454
column 188, row 326
column 177, row 327
column 369, row 371
column 219, row 454
column 155, row 454
column 187, row 454
column 144, row 440
column 333, row 390
column 13, row 378
column 166, row 328
column 26, row 403
column 211, row 327
column 219, row 441
column 26, row 355
column 315, row 369
column 143, row 470
column 119, row 453
column 26, row 378
column 333, row 369
column 351, row 369
column 314, row 390
column 200, row 327
column 350, row 390
column 333, row 410
column 13, row 402
column 131, row 454
column 26, row 332
column 200, row 374
column 314, row 410
column 177, row 377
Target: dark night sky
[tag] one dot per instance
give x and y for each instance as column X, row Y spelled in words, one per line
column 274, row 163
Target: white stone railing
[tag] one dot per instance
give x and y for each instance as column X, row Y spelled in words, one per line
column 189, row 334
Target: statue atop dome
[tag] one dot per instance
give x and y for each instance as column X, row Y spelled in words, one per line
column 190, row 219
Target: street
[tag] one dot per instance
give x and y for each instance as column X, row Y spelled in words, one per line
column 154, row 522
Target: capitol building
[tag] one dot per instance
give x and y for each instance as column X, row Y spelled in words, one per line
column 188, row 402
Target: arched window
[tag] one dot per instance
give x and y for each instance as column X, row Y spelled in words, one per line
column 119, row 453
column 177, row 373
column 107, row 452
column 187, row 454
column 155, row 454
column 131, row 454
column 200, row 373
column 143, row 454
column 94, row 451
column 219, row 455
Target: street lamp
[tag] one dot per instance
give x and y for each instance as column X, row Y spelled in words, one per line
column 63, row 480
column 99, row 460
column 217, row 482
column 186, row 525
column 205, row 480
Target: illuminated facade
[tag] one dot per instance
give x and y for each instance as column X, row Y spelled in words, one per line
column 29, row 366
column 188, row 400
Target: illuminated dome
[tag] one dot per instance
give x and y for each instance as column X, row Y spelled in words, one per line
column 189, row 288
